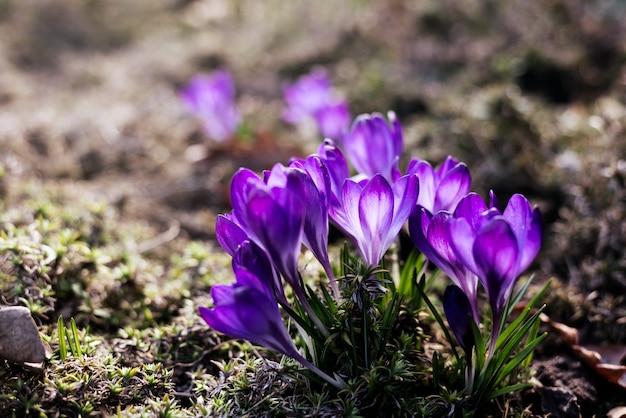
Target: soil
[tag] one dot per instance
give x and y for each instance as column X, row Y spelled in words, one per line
column 530, row 94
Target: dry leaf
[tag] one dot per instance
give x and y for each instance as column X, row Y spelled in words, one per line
column 605, row 360
column 19, row 339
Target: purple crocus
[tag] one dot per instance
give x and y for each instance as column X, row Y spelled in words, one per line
column 312, row 97
column 373, row 146
column 212, row 99
column 429, row 234
column 272, row 215
column 441, row 189
column 496, row 247
column 315, row 183
column 337, row 167
column 373, row 211
column 247, row 309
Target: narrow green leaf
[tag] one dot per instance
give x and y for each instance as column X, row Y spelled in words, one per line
column 62, row 340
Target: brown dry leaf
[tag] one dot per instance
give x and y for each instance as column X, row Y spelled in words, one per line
column 605, row 360
column 19, row 339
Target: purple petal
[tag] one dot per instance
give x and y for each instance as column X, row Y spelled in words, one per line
column 337, row 166
column 419, row 223
column 426, row 176
column 243, row 183
column 405, row 192
column 459, row 314
column 471, row 208
column 453, row 186
column 526, row 224
column 396, row 130
column 375, row 213
column 229, row 235
column 249, row 314
column 279, row 227
column 461, row 238
column 254, row 259
column 496, row 253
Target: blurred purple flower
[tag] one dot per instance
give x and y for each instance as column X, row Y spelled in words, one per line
column 373, row 146
column 441, row 189
column 212, row 99
column 496, row 247
column 372, row 212
column 312, row 96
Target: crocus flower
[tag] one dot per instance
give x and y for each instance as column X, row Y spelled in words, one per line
column 212, row 99
column 312, row 97
column 441, row 189
column 496, row 247
column 316, row 189
column 272, row 214
column 373, row 146
column 429, row 234
column 248, row 310
column 373, row 211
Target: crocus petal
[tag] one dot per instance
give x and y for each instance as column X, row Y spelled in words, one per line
column 461, row 238
column 243, row 183
column 248, row 314
column 426, row 175
column 405, row 192
column 279, row 227
column 527, row 226
column 470, row 208
column 453, row 186
column 458, row 312
column 371, row 145
column 375, row 213
column 337, row 166
column 496, row 254
column 254, row 259
column 229, row 235
column 419, row 223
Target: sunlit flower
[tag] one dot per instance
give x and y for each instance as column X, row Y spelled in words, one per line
column 247, row 309
column 316, row 190
column 441, row 189
column 373, row 146
column 373, row 211
column 212, row 99
column 496, row 247
column 430, row 235
column 272, row 215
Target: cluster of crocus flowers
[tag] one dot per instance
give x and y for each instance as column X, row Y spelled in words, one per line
column 312, row 97
column 212, row 98
column 357, row 185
